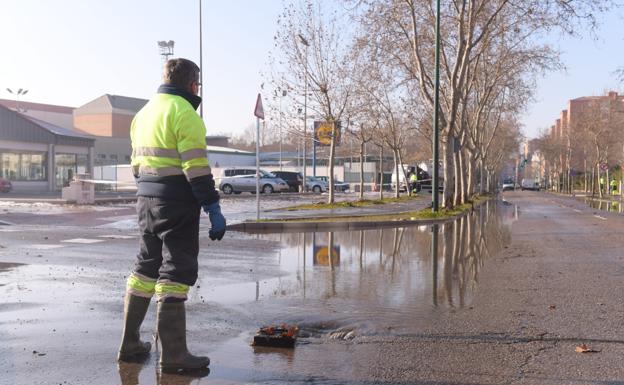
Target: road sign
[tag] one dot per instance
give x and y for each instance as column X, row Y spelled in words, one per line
column 259, row 111
column 323, row 132
column 604, row 166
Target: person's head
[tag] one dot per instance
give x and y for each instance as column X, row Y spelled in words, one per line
column 183, row 74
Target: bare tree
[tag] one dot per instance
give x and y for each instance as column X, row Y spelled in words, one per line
column 315, row 62
column 403, row 30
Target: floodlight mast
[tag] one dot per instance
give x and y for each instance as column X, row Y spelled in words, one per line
column 17, row 94
column 166, row 49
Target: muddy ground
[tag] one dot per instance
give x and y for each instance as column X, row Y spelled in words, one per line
column 512, row 290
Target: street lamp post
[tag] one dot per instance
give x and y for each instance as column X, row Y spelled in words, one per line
column 17, row 94
column 282, row 94
column 305, row 109
column 201, row 72
column 436, row 107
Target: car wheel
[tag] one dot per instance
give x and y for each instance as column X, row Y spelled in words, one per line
column 227, row 189
column 317, row 189
column 267, row 189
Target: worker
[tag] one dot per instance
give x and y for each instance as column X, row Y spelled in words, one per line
column 174, row 182
column 614, row 186
column 413, row 181
column 601, row 181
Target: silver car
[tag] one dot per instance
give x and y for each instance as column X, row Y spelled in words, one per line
column 316, row 185
column 269, row 183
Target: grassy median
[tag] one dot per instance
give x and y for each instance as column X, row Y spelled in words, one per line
column 346, row 204
column 424, row 214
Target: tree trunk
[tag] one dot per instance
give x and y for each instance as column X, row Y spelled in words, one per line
column 593, row 180
column 482, row 176
column 380, row 172
column 448, row 172
column 457, row 183
column 470, row 187
column 396, row 172
column 463, row 177
column 407, row 187
column 362, row 170
column 332, row 156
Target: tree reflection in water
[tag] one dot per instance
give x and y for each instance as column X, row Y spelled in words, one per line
column 403, row 270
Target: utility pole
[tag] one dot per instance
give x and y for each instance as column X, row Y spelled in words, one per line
column 436, row 108
column 305, row 109
column 282, row 94
column 201, row 68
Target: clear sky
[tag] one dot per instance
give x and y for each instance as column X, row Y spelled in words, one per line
column 68, row 52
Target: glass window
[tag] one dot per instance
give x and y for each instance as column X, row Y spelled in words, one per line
column 82, row 162
column 33, row 167
column 27, row 166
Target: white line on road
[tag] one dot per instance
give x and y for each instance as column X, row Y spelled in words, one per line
column 599, row 217
column 577, row 210
column 83, row 240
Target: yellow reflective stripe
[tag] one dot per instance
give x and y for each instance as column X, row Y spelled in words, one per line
column 194, row 172
column 141, row 284
column 161, row 171
column 156, row 151
column 192, row 154
column 171, row 289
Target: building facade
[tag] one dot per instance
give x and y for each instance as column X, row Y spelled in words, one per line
column 40, row 156
column 108, row 119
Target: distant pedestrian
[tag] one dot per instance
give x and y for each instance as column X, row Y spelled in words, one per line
column 601, row 182
column 614, row 186
column 413, row 182
column 174, row 182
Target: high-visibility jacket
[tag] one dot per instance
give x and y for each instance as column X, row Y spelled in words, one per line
column 413, row 178
column 169, row 156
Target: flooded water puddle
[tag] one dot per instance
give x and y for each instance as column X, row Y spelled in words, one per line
column 373, row 281
column 605, row 205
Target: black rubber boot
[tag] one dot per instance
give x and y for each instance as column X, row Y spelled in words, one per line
column 174, row 356
column 132, row 348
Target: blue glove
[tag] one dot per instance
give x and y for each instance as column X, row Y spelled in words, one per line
column 217, row 220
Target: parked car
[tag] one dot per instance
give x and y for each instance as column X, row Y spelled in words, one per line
column 5, row 185
column 292, row 178
column 529, row 184
column 316, row 185
column 269, row 183
column 338, row 185
column 508, row 184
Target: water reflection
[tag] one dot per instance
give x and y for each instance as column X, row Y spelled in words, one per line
column 376, row 278
column 129, row 375
column 604, row 205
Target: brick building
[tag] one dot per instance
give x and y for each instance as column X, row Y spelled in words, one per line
column 600, row 118
column 108, row 119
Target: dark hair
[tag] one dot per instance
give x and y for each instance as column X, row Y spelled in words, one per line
column 180, row 72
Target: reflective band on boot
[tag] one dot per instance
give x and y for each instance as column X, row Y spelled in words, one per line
column 140, row 285
column 168, row 289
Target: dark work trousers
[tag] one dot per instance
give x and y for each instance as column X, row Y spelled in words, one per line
column 169, row 239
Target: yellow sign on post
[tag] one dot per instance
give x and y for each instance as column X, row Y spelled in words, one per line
column 323, row 132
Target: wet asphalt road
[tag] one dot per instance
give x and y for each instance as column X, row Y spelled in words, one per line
column 510, row 295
